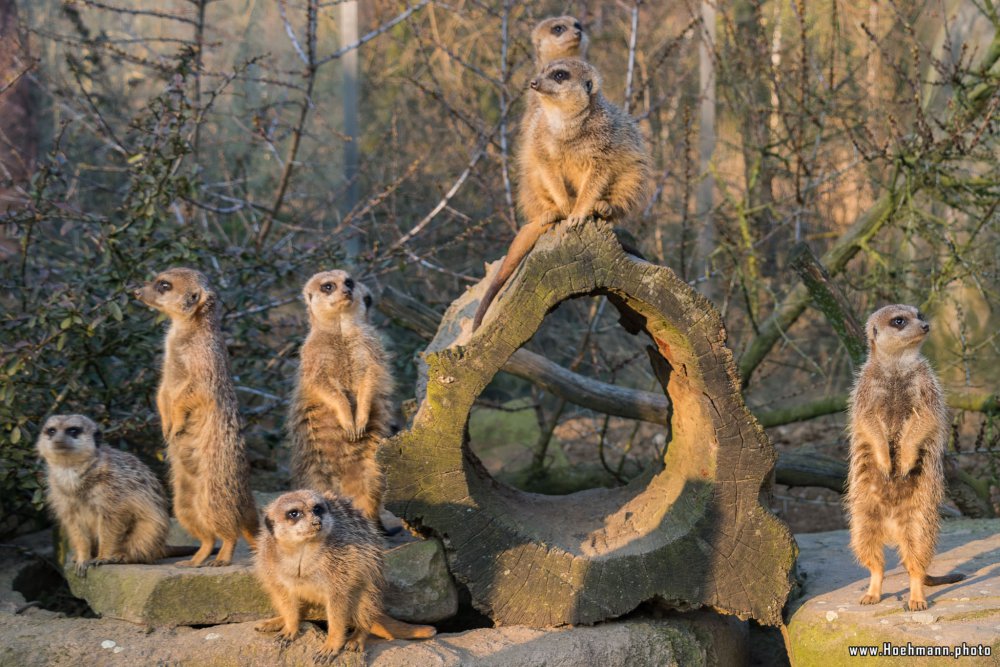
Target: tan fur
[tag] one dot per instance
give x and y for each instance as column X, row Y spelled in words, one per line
column 898, row 426
column 558, row 37
column 320, row 550
column 579, row 156
column 340, row 410
column 200, row 418
column 110, row 504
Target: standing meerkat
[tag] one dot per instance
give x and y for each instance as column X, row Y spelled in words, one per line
column 320, row 550
column 579, row 156
column 898, row 425
column 340, row 410
column 557, row 38
column 110, row 504
column 200, row 418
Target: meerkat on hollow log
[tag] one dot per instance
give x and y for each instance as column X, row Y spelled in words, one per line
column 898, row 425
column 199, row 415
column 319, row 549
column 340, row 410
column 111, row 505
column 579, row 156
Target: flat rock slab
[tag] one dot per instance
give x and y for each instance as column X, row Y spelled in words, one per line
column 27, row 641
column 419, row 588
column 827, row 619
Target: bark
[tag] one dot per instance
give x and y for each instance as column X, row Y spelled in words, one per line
column 18, row 138
column 691, row 531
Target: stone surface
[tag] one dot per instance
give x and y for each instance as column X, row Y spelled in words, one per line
column 419, row 588
column 702, row 639
column 827, row 619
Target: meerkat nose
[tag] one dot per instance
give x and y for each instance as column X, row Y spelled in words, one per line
column 926, row 327
column 534, row 84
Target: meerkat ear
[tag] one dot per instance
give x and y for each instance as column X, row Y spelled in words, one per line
column 191, row 299
column 98, row 438
column 269, row 525
column 368, row 300
column 589, row 85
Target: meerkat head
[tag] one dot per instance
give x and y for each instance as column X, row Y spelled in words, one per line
column 179, row 293
column 559, row 37
column 298, row 516
column 896, row 331
column 569, row 84
column 332, row 294
column 68, row 439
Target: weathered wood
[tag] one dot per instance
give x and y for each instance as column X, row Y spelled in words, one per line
column 690, row 532
column 811, row 469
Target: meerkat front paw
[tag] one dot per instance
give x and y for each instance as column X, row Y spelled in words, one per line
column 270, row 625
column 81, row 568
column 603, row 209
column 576, row 220
column 916, row 605
column 356, row 642
column 868, row 598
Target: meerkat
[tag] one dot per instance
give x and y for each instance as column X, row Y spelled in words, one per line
column 579, row 156
column 557, row 38
column 340, row 409
column 199, row 415
column 112, row 507
column 898, row 425
column 320, row 549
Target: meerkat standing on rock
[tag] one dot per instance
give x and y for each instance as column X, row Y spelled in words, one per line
column 898, row 428
column 105, row 499
column 579, row 156
column 558, row 37
column 340, row 410
column 319, row 549
column 200, row 418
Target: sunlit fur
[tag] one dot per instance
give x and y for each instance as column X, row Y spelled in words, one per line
column 558, row 37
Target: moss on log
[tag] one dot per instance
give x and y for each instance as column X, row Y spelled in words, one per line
column 691, row 532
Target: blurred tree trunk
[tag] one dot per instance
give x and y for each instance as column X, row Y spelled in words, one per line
column 348, row 15
column 18, row 140
column 707, row 236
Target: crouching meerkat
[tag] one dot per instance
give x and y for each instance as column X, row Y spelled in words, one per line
column 200, row 418
column 112, row 507
column 340, row 409
column 558, row 37
column 318, row 549
column 898, row 426
column 579, row 156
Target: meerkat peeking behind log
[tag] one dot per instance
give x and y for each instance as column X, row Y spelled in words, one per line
column 558, row 37
column 200, row 418
column 110, row 504
column 898, row 425
column 320, row 550
column 340, row 410
column 579, row 156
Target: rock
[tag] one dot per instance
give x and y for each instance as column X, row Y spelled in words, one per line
column 966, row 614
column 419, row 589
column 684, row 640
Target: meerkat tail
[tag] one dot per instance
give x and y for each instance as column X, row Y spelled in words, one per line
column 955, row 577
column 522, row 244
column 176, row 551
column 388, row 627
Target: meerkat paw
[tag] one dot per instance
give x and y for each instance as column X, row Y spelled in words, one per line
column 270, row 625
column 868, row 598
column 215, row 562
column 916, row 605
column 96, row 562
column 327, row 654
column 81, row 567
column 603, row 209
column 356, row 642
column 576, row 220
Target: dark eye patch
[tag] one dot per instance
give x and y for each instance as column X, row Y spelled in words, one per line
column 326, row 287
column 319, row 510
column 578, row 26
column 559, row 75
column 898, row 322
column 558, row 29
column 920, row 316
column 293, row 515
column 74, row 432
column 50, row 431
column 164, row 286
column 349, row 283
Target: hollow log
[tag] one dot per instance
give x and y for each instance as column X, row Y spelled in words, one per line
column 690, row 532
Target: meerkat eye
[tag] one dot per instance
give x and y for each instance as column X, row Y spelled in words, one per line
column 50, row 431
column 163, row 286
column 577, row 26
column 560, row 75
column 326, row 288
column 74, row 432
column 558, row 30
column 920, row 316
column 898, row 321
column 293, row 514
column 349, row 283
column 319, row 510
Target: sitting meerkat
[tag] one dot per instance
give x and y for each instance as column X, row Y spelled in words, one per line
column 200, row 418
column 319, row 549
column 898, row 426
column 340, row 410
column 579, row 156
column 112, row 507
column 558, row 37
